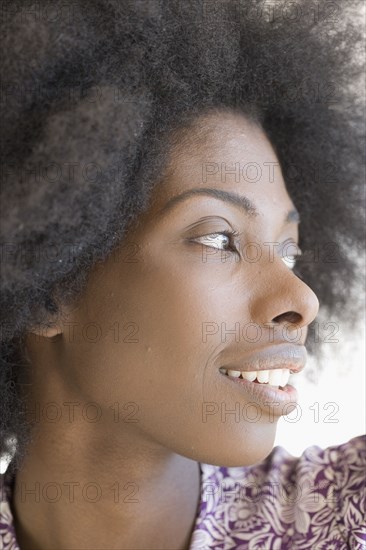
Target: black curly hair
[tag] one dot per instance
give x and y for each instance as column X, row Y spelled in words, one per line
column 93, row 94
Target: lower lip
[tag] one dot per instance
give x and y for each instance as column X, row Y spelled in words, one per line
column 273, row 399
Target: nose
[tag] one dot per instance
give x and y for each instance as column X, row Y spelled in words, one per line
column 281, row 298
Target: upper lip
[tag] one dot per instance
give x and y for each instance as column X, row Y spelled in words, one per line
column 285, row 356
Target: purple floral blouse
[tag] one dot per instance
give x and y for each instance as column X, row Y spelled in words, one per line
column 316, row 502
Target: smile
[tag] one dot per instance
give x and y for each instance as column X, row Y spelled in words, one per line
column 274, row 377
column 270, row 366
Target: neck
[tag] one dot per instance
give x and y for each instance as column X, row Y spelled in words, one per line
column 80, row 487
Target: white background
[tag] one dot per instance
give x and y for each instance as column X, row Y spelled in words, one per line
column 332, row 408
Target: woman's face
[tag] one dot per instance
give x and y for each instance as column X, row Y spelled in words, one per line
column 179, row 299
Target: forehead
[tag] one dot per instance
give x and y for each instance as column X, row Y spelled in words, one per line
column 224, row 151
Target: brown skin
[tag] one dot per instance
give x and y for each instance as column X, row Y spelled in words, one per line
column 171, row 371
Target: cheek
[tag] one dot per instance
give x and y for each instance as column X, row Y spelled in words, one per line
column 172, row 377
column 180, row 315
column 160, row 365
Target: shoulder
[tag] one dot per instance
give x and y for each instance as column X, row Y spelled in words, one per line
column 316, row 500
column 7, row 532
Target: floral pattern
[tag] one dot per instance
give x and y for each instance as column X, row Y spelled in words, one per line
column 313, row 502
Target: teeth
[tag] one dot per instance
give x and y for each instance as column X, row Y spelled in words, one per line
column 275, row 377
column 263, row 376
column 234, row 373
column 285, row 377
column 251, row 376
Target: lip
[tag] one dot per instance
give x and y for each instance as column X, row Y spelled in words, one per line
column 276, row 401
column 280, row 356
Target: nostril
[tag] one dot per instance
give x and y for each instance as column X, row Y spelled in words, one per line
column 288, row 317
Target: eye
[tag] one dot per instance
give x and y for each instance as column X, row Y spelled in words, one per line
column 290, row 261
column 292, row 255
column 222, row 240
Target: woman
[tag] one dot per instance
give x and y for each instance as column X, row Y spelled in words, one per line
column 158, row 157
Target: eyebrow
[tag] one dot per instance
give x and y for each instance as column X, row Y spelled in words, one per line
column 239, row 201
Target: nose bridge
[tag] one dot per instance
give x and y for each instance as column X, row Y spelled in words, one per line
column 281, row 297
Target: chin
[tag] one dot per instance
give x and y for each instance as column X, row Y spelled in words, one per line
column 249, row 447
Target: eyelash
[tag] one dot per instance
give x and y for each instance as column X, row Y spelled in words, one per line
column 232, row 248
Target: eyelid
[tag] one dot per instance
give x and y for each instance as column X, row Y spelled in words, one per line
column 289, row 242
